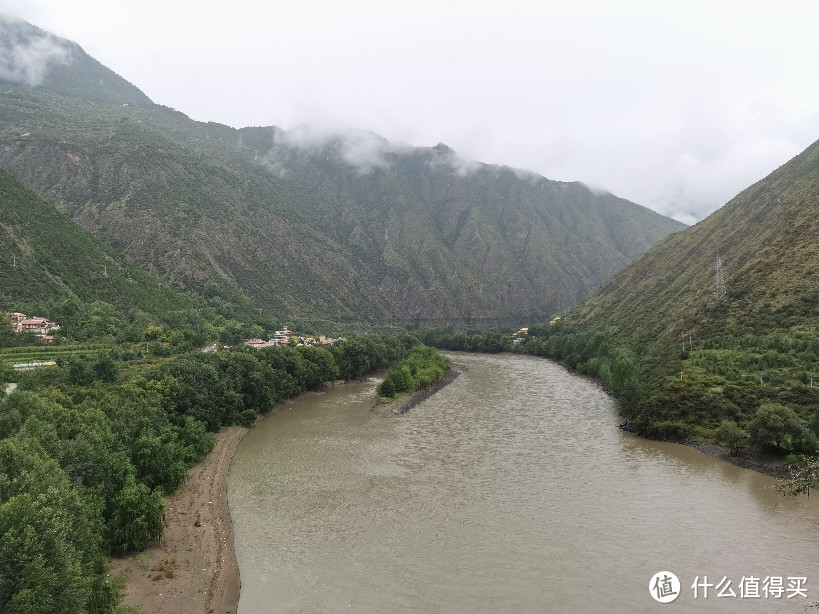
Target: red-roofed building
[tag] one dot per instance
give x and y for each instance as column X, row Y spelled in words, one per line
column 39, row 326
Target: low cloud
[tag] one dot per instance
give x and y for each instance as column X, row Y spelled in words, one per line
column 27, row 53
column 360, row 149
column 443, row 156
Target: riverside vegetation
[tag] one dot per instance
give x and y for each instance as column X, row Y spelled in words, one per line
column 420, row 368
column 86, row 464
column 720, row 397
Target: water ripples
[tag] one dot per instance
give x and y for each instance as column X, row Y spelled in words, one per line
column 510, row 490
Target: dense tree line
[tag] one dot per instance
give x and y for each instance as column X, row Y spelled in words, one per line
column 84, row 465
column 754, row 390
column 422, row 367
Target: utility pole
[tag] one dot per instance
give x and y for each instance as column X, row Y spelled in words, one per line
column 719, row 282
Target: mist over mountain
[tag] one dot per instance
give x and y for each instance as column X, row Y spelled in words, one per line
column 341, row 226
column 32, row 57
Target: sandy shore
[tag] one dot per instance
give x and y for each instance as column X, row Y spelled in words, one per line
column 193, row 569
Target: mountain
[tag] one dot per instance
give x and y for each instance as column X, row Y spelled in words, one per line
column 767, row 240
column 46, row 257
column 345, row 227
column 45, row 62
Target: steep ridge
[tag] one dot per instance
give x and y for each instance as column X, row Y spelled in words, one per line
column 767, row 239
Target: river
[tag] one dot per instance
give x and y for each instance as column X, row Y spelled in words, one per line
column 511, row 490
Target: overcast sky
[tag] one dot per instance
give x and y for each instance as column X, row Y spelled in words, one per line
column 675, row 105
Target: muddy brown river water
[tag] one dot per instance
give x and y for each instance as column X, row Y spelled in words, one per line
column 511, row 490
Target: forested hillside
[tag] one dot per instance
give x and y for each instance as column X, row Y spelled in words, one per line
column 50, row 266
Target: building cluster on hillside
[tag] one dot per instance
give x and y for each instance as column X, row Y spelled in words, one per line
column 520, row 335
column 283, row 337
column 286, row 337
column 523, row 333
column 38, row 326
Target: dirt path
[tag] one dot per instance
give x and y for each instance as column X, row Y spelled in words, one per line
column 193, row 569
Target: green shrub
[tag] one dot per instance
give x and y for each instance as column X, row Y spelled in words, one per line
column 386, row 388
column 730, row 435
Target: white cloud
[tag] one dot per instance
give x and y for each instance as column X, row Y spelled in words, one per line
column 444, row 156
column 25, row 54
column 676, row 106
column 360, row 149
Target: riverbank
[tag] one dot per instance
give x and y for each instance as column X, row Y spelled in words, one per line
column 760, row 461
column 403, row 404
column 193, row 568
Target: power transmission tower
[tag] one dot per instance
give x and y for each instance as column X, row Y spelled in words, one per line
column 719, row 282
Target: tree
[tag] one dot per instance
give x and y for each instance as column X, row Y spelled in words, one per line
column 804, row 478
column 50, row 558
column 775, row 424
column 104, row 368
column 80, row 373
column 7, row 334
column 202, row 392
column 135, row 518
column 732, row 436
column 386, row 388
column 352, row 357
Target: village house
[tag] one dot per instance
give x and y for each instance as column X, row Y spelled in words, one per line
column 282, row 337
column 36, row 325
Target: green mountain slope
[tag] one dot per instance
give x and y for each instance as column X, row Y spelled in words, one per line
column 46, row 257
column 694, row 348
column 346, row 228
column 767, row 239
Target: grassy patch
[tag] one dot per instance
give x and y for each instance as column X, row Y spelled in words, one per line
column 144, row 558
